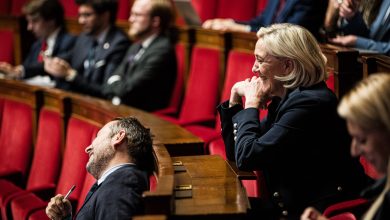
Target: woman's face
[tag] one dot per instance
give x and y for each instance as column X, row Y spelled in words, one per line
column 267, row 67
column 374, row 145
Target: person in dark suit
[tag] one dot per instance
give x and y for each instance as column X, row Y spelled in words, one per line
column 368, row 29
column 302, row 145
column 307, row 13
column 146, row 76
column 45, row 19
column 120, row 158
column 97, row 52
column 370, row 131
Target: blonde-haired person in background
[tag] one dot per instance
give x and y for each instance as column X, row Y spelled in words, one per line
column 367, row 111
column 302, row 145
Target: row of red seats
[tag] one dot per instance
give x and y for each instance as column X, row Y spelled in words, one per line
column 24, row 192
column 14, row 7
column 207, row 9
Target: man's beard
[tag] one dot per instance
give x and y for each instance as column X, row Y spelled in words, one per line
column 140, row 34
column 99, row 164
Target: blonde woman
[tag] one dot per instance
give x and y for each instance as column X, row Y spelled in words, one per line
column 367, row 111
column 302, row 145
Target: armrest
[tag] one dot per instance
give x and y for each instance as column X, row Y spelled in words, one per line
column 167, row 111
column 14, row 176
column 241, row 175
column 208, row 121
column 44, row 192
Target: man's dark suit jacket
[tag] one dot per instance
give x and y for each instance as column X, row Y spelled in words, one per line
column 148, row 82
column 302, row 147
column 307, row 13
column 63, row 44
column 118, row 197
column 108, row 56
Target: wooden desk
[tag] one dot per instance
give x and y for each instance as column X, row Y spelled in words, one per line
column 216, row 191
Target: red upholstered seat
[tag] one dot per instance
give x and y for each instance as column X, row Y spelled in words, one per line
column 70, row 8
column 38, row 215
column 16, row 7
column 124, row 9
column 88, row 182
column 206, row 9
column 343, row 216
column 261, row 6
column 202, row 88
column 7, row 47
column 239, row 67
column 177, row 93
column 353, row 206
column 242, row 10
column 16, row 130
column 79, row 136
column 45, row 166
column 5, row 7
column 330, row 81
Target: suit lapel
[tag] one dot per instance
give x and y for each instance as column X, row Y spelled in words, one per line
column 282, row 17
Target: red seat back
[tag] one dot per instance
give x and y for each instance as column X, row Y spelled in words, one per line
column 124, row 7
column 47, row 154
column 70, row 8
column 7, row 46
column 16, row 135
column 202, row 86
column 343, row 216
column 16, row 7
column 261, row 4
column 79, row 136
column 206, row 9
column 239, row 67
column 242, row 10
column 5, row 7
column 88, row 182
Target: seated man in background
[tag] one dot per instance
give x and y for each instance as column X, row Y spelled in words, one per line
column 307, row 13
column 366, row 109
column 45, row 18
column 363, row 24
column 146, row 76
column 97, row 52
column 120, row 158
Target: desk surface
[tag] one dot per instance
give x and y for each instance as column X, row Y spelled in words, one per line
column 216, row 191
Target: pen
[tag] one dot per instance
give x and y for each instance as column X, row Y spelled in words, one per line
column 70, row 191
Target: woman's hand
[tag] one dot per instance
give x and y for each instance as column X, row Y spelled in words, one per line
column 255, row 90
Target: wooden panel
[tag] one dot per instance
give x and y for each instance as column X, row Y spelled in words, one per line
column 244, row 41
column 375, row 63
column 160, row 201
column 343, row 63
column 216, row 191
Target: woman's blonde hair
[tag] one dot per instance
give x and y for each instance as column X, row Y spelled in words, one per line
column 368, row 104
column 299, row 45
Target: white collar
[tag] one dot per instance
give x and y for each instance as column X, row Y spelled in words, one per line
column 111, row 170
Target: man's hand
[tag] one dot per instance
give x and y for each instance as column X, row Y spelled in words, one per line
column 347, row 41
column 58, row 208
column 312, row 214
column 57, row 67
column 348, row 8
column 220, row 24
column 13, row 72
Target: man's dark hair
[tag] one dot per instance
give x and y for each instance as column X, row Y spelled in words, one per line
column 163, row 9
column 101, row 6
column 46, row 9
column 139, row 141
